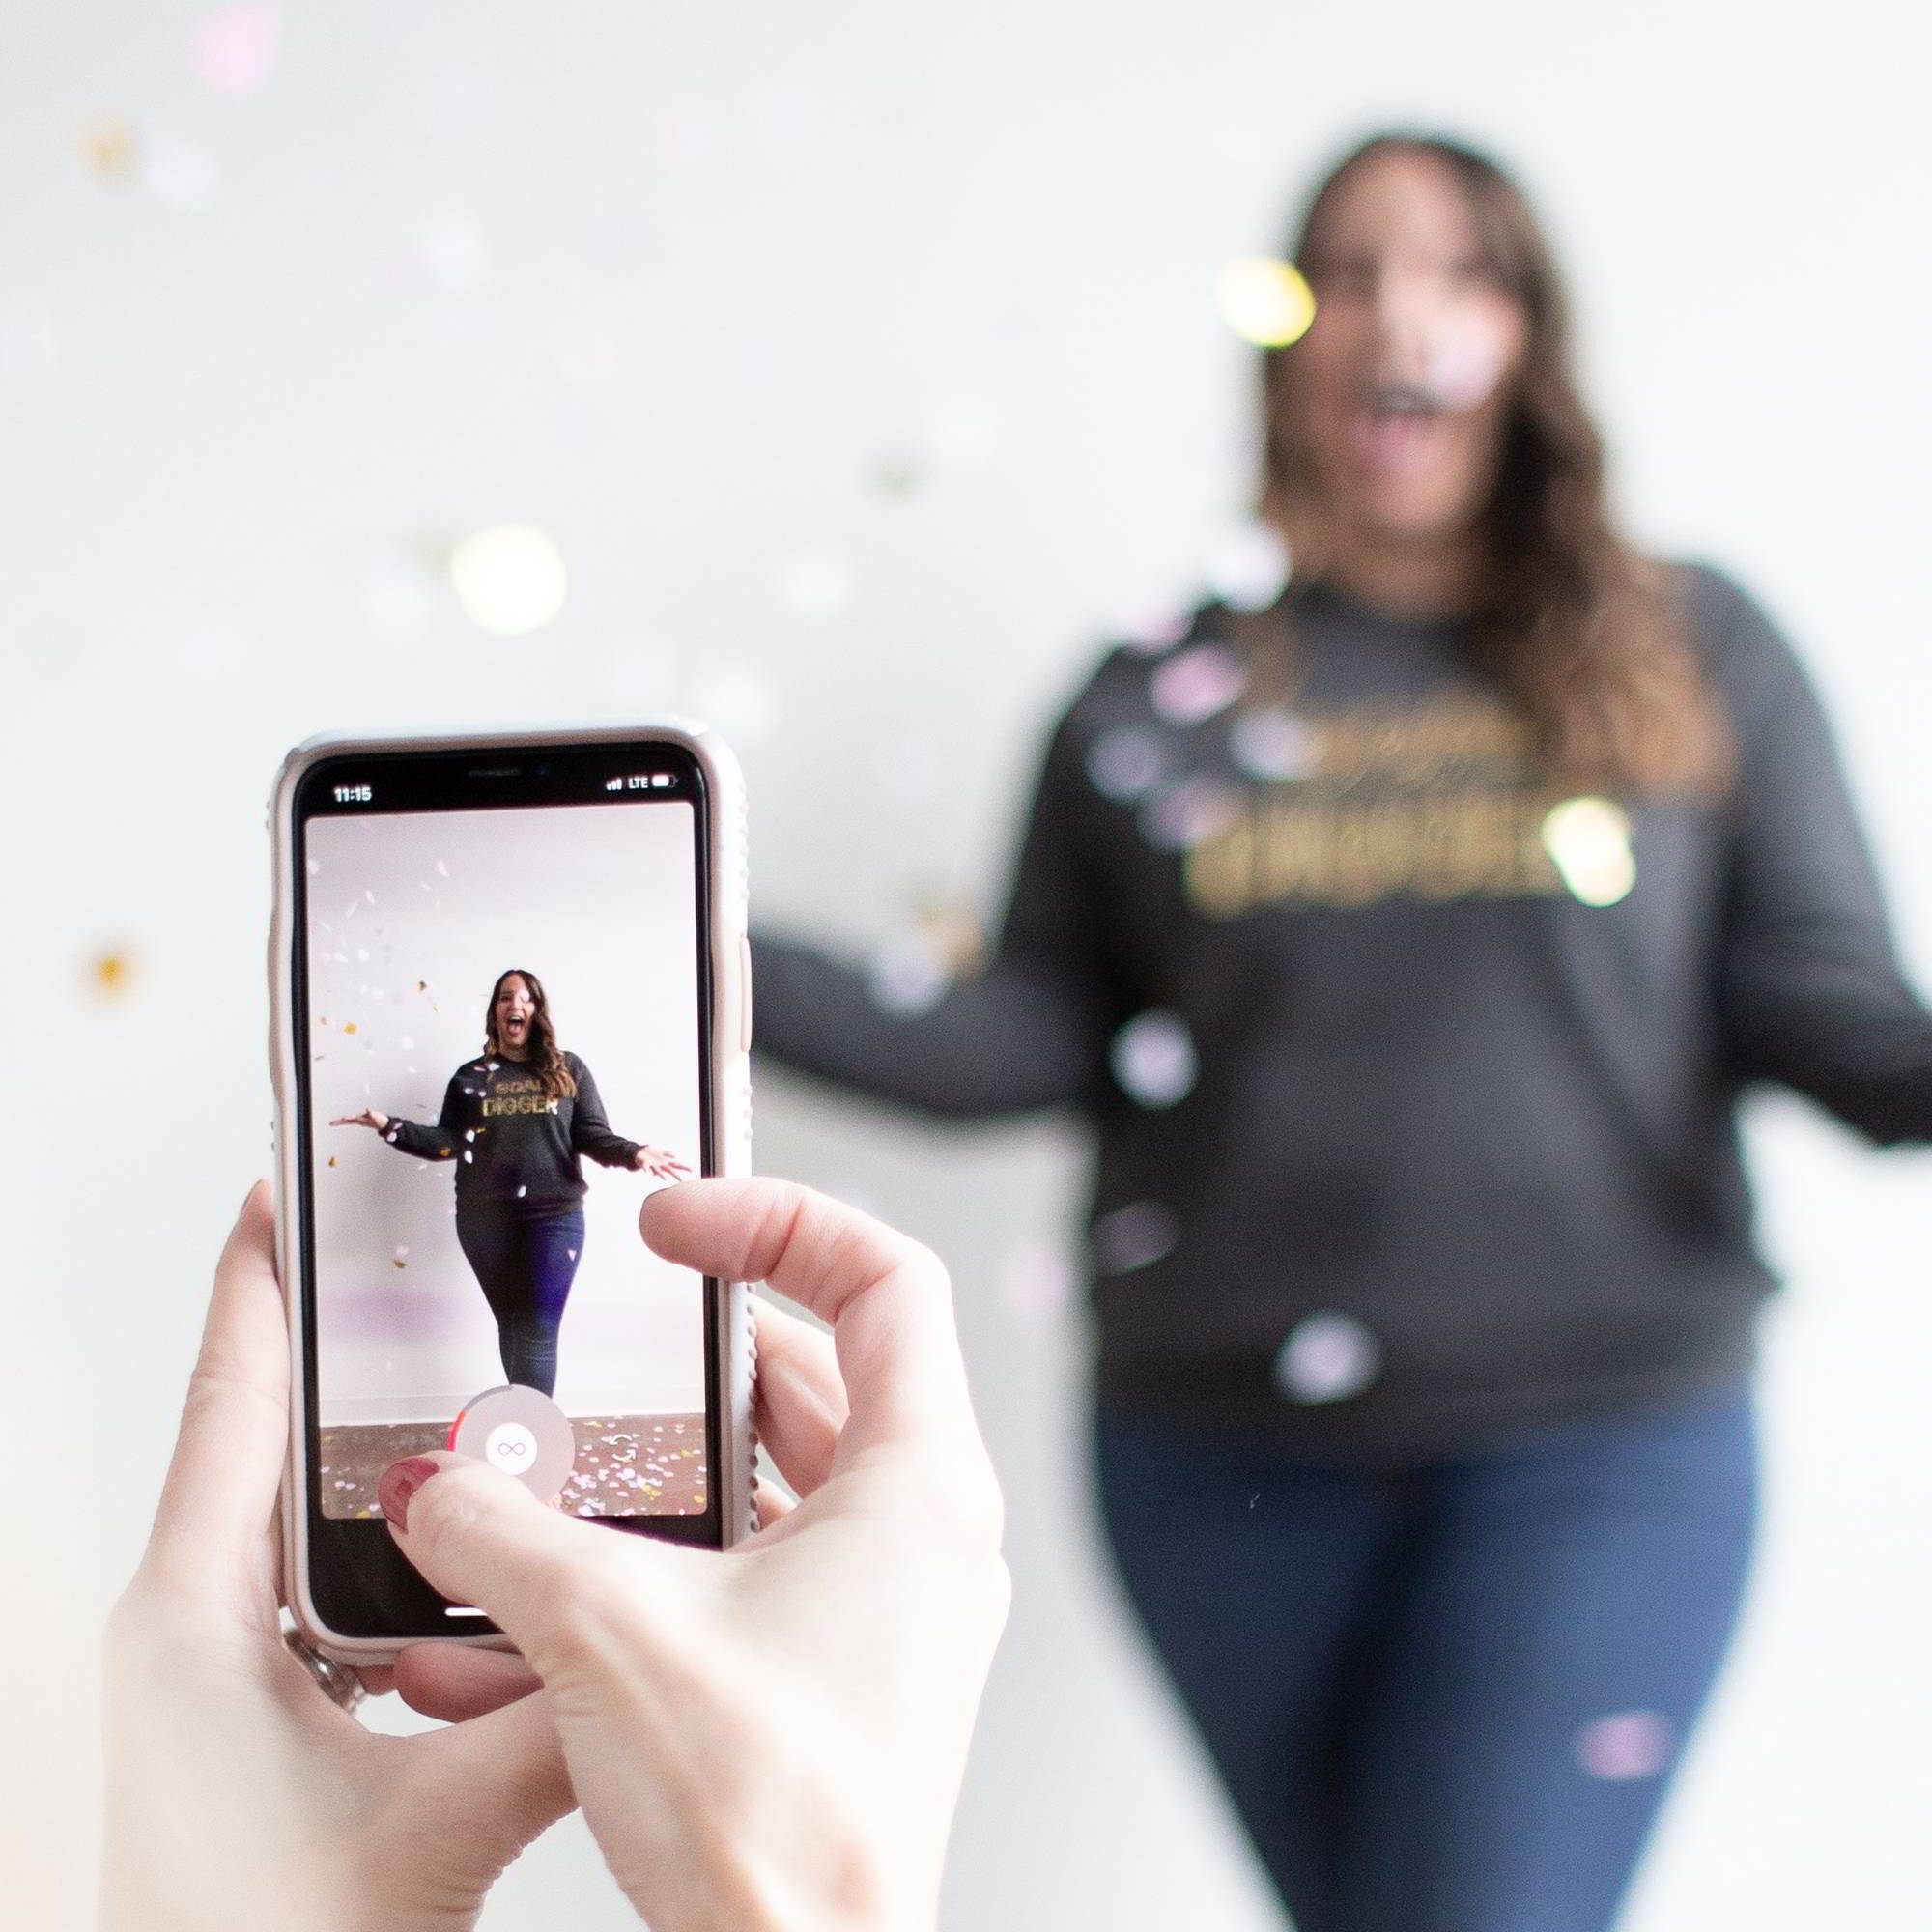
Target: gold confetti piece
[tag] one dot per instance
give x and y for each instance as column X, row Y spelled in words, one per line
column 397, row 1262
column 348, row 1026
column 422, row 985
column 112, row 973
column 111, row 152
column 331, row 1160
column 1266, row 302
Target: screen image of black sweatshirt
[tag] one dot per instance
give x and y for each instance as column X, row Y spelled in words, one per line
column 517, row 1149
column 1458, row 1057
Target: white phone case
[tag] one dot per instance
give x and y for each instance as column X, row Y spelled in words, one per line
column 731, row 1110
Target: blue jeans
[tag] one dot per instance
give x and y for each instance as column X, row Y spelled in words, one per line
column 526, row 1268
column 1448, row 1698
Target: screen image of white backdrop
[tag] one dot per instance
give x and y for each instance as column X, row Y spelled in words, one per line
column 412, row 918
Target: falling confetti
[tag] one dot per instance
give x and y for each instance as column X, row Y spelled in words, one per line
column 348, row 1026
column 1628, row 1745
column 453, row 252
column 509, row 579
column 181, row 174
column 1266, row 302
column 1124, row 764
column 1588, row 839
column 111, row 972
column 1195, row 684
column 1326, row 1357
column 1274, row 744
column 331, row 1160
column 111, row 151
column 908, row 976
column 1247, row 566
column 1036, row 1283
column 815, row 583
column 235, row 51
column 1134, row 1237
column 1189, row 814
column 1154, row 1059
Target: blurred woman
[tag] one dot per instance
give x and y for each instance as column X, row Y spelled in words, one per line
column 1407, row 942
column 519, row 1117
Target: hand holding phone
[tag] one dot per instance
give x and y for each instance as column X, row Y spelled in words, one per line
column 768, row 1737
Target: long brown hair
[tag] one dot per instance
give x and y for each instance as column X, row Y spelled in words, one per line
column 1584, row 635
column 545, row 1056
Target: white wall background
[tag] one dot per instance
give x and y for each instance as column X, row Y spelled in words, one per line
column 412, row 918
column 862, row 360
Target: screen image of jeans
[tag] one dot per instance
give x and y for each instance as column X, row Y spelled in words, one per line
column 525, row 1266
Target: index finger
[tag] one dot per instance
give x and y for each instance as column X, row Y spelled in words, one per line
column 886, row 1298
column 218, row 1501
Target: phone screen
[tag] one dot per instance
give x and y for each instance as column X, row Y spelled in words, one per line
column 501, row 1004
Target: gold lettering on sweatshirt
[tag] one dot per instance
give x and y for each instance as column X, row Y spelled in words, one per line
column 1440, row 801
column 518, row 1097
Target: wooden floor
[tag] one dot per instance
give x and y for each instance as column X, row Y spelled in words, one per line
column 626, row 1464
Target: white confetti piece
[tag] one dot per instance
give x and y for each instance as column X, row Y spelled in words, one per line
column 1327, row 1357
column 1196, row 682
column 1124, row 763
column 1134, row 1237
column 1154, row 1059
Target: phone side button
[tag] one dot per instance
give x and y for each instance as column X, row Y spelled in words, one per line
column 744, row 993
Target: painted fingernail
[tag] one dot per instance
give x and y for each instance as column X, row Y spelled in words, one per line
column 400, row 1481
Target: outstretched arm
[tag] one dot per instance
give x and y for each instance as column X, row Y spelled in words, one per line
column 436, row 1142
column 1026, row 1034
column 1809, row 988
column 592, row 1135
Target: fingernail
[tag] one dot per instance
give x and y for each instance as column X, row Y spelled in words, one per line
column 400, row 1481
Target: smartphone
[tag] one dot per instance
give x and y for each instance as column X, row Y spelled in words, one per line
column 511, row 995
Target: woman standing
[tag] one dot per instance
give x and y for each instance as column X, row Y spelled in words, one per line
column 517, row 1121
column 1408, row 944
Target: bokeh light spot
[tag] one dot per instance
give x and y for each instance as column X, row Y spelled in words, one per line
column 1266, row 302
column 111, row 972
column 235, row 51
column 1194, row 684
column 1588, row 840
column 1247, row 565
column 1124, row 764
column 509, row 579
column 1036, row 1283
column 1273, row 744
column 111, row 153
column 1134, row 1237
column 815, row 583
column 1625, row 1746
column 1187, row 815
column 1327, row 1357
column 907, row 975
column 1154, row 1059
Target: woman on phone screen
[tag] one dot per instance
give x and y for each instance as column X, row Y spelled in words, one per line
column 1408, row 942
column 517, row 1121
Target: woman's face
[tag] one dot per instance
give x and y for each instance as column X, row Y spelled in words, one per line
column 1404, row 374
column 514, row 1008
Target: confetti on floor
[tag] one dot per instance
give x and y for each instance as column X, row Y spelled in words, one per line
column 626, row 1464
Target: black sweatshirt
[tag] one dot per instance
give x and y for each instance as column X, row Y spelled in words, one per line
column 1437, row 1071
column 515, row 1148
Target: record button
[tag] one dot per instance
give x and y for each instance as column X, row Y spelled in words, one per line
column 520, row 1431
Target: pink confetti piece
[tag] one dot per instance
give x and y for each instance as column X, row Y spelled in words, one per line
column 234, row 52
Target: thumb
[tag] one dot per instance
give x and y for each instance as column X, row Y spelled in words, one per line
column 480, row 1537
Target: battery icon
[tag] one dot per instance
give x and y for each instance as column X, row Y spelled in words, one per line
column 661, row 778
